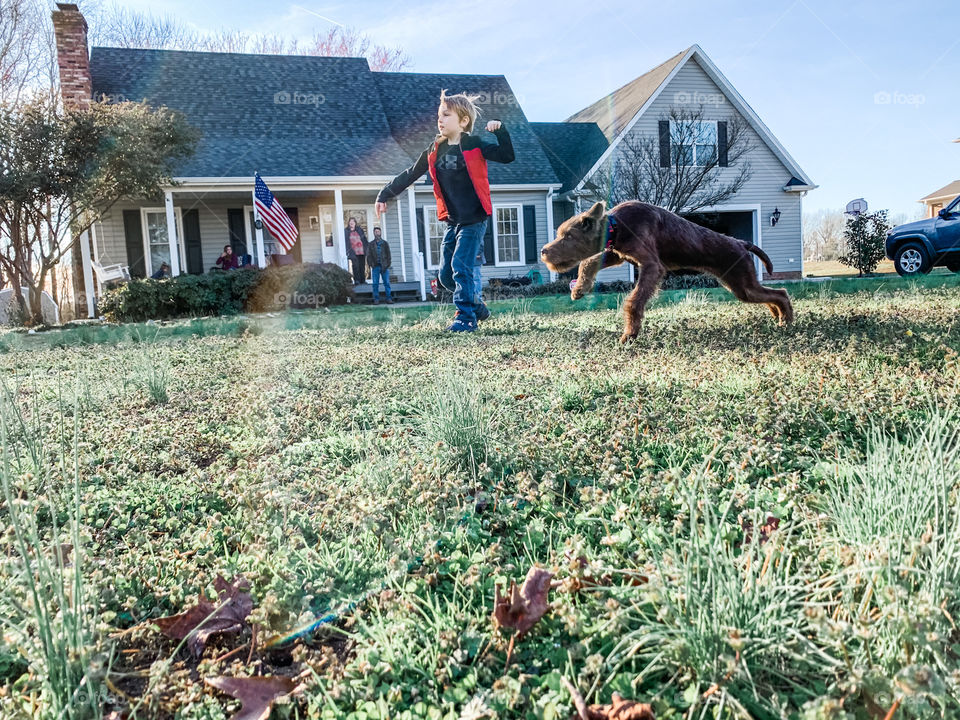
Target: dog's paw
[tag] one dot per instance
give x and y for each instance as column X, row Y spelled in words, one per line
column 628, row 337
column 576, row 293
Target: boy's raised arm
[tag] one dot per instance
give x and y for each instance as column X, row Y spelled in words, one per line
column 502, row 150
column 405, row 179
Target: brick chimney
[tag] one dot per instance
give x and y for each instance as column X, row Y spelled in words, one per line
column 73, row 60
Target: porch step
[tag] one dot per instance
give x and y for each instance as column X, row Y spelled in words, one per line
column 401, row 291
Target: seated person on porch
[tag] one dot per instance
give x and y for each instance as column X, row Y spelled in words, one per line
column 227, row 260
column 246, row 260
column 163, row 272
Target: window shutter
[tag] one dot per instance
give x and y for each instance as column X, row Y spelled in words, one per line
column 488, row 257
column 133, row 237
column 665, row 143
column 722, row 144
column 422, row 235
column 191, row 242
column 530, row 233
column 238, row 233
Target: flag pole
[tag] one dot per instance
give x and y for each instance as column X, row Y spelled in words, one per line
column 257, row 231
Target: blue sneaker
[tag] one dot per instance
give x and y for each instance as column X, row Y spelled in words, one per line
column 483, row 312
column 462, row 326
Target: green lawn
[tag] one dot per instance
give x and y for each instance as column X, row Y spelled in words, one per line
column 742, row 520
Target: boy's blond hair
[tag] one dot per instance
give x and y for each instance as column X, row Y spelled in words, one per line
column 464, row 105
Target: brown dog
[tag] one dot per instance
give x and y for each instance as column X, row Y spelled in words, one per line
column 658, row 240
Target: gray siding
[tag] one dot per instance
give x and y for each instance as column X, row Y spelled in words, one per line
column 537, row 198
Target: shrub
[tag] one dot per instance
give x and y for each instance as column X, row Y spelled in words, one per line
column 229, row 293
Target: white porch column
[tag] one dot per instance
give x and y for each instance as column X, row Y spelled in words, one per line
column 257, row 231
column 423, row 277
column 339, row 230
column 172, row 238
column 96, row 255
column 550, row 228
column 403, row 254
column 414, row 236
column 87, row 272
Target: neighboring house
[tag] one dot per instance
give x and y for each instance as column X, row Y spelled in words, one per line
column 939, row 199
column 325, row 134
column 689, row 78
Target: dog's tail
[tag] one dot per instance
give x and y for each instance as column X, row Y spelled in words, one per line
column 760, row 254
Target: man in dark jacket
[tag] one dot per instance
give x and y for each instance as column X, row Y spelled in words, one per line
column 378, row 259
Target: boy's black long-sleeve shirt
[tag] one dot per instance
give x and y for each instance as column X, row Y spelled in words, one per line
column 463, row 204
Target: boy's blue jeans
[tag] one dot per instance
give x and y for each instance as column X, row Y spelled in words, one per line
column 375, row 274
column 461, row 245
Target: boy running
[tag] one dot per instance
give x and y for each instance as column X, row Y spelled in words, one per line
column 457, row 163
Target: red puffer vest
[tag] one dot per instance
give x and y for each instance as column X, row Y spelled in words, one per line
column 476, row 169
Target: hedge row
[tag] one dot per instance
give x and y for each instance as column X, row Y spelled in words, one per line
column 306, row 285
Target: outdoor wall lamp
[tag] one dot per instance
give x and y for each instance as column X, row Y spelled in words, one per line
column 775, row 217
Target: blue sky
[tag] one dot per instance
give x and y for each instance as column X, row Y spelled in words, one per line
column 865, row 96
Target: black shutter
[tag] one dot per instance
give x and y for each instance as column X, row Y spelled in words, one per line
column 133, row 237
column 191, row 242
column 722, row 144
column 238, row 232
column 422, row 236
column 530, row 233
column 665, row 143
column 297, row 249
column 488, row 256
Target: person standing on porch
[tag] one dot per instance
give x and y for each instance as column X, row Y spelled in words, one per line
column 378, row 258
column 356, row 241
column 457, row 163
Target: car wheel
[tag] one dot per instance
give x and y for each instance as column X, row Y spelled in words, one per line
column 911, row 259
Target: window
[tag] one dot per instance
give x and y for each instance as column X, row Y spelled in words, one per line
column 435, row 230
column 693, row 143
column 507, row 235
column 156, row 244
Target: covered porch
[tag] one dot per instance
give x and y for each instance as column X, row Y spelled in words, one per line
column 191, row 224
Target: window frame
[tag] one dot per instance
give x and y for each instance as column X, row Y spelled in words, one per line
column 145, row 232
column 716, row 147
column 427, row 209
column 497, row 262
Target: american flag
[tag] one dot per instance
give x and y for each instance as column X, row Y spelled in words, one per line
column 271, row 212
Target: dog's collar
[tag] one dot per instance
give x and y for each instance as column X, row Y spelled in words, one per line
column 610, row 231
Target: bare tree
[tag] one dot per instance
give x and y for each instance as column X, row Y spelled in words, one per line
column 25, row 61
column 122, row 27
column 695, row 175
column 823, row 235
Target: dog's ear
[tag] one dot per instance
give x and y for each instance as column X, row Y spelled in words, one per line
column 596, row 211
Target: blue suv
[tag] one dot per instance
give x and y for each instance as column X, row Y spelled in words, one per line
column 917, row 247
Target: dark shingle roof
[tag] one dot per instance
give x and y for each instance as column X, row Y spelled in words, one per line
column 571, row 147
column 361, row 123
column 232, row 98
column 410, row 101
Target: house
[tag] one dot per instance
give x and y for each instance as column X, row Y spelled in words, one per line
column 325, row 134
column 939, row 199
column 766, row 210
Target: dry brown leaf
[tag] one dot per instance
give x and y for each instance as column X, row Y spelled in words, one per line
column 620, row 709
column 256, row 694
column 769, row 526
column 228, row 619
column 522, row 608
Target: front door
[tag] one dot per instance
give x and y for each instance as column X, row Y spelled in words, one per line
column 329, row 246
